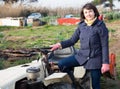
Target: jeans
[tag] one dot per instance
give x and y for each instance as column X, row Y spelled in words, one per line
column 68, row 63
column 95, row 76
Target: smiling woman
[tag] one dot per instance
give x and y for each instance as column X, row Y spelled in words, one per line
column 93, row 50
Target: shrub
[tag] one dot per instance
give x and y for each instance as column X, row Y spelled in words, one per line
column 112, row 15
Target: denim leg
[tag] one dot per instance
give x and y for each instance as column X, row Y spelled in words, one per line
column 95, row 75
column 66, row 65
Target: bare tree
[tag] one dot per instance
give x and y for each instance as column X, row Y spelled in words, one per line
column 111, row 4
column 96, row 2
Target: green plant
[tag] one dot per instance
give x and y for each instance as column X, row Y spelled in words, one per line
column 116, row 15
column 1, row 37
column 1, row 64
column 112, row 30
column 118, row 66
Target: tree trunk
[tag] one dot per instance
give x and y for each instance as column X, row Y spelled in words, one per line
column 111, row 5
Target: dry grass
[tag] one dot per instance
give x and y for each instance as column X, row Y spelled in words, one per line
column 10, row 10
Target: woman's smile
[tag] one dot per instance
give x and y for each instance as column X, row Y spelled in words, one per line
column 89, row 14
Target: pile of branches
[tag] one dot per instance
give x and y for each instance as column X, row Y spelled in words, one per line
column 18, row 53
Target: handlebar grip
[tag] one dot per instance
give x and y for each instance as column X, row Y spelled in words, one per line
column 45, row 50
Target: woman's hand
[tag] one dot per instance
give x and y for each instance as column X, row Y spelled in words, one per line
column 55, row 46
column 105, row 68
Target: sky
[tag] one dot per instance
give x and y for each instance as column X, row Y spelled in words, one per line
column 63, row 3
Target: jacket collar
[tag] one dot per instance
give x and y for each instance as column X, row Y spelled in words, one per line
column 89, row 23
column 97, row 21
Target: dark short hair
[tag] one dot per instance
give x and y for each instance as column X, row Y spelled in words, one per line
column 89, row 6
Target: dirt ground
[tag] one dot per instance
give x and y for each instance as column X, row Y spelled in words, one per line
column 110, row 84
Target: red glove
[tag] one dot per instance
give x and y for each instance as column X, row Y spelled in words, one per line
column 55, row 46
column 105, row 68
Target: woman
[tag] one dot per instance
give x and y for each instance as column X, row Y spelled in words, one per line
column 93, row 53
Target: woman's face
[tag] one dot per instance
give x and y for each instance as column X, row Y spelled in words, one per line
column 89, row 14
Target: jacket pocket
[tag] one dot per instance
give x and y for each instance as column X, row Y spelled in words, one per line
column 95, row 52
column 85, row 52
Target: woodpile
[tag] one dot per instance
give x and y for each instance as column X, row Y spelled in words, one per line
column 18, row 53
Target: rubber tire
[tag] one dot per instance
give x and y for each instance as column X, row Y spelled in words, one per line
column 60, row 86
